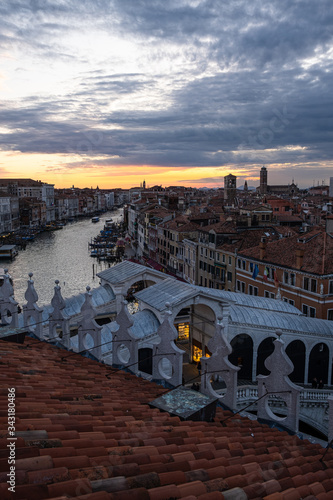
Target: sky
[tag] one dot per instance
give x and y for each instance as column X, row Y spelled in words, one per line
column 110, row 93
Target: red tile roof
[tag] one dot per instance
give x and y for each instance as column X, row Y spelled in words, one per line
column 317, row 246
column 91, row 436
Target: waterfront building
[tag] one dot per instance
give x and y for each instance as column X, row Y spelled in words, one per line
column 6, row 213
column 66, row 206
column 28, row 188
column 170, row 242
column 33, row 212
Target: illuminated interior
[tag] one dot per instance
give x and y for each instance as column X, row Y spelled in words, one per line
column 197, row 353
column 183, row 332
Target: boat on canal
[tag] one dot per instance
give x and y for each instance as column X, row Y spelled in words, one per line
column 95, row 219
column 8, row 252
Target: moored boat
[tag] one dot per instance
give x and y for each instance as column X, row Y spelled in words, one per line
column 8, row 251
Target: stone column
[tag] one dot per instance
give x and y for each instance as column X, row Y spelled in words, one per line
column 330, row 418
column 254, row 360
column 118, row 291
column 329, row 379
column 306, row 367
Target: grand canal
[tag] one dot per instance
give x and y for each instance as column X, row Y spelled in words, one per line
column 59, row 255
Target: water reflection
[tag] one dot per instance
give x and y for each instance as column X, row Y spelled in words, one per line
column 62, row 255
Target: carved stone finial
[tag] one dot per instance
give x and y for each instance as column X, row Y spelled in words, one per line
column 278, row 383
column 88, row 288
column 30, row 275
column 219, row 365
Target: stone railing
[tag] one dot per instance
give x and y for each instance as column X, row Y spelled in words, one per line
column 248, row 393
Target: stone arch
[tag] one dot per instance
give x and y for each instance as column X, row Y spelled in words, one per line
column 137, row 285
column 296, row 351
column 148, row 278
column 318, row 362
column 201, row 327
column 242, row 355
column 265, row 349
column 123, row 289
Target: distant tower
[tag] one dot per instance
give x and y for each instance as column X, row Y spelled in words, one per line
column 245, row 187
column 230, row 188
column 144, row 185
column 331, row 187
column 263, row 181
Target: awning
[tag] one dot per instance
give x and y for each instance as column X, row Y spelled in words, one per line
column 154, row 265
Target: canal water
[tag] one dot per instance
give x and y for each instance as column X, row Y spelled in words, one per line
column 62, row 255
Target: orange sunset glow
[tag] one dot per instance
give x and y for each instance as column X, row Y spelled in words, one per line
column 112, row 93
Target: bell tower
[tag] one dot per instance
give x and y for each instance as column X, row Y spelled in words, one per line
column 263, row 180
column 230, row 189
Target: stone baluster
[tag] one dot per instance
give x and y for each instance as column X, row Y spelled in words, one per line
column 125, row 346
column 277, row 387
column 58, row 320
column 8, row 305
column 219, row 366
column 32, row 313
column 167, row 357
column 89, row 332
column 330, row 418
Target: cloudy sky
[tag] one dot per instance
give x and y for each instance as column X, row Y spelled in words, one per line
column 176, row 92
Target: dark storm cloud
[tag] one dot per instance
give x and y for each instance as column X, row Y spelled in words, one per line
column 255, row 88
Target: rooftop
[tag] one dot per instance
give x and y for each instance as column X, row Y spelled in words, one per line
column 317, row 246
column 123, row 271
column 85, row 430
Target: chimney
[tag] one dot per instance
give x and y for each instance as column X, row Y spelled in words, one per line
column 299, row 258
column 262, row 248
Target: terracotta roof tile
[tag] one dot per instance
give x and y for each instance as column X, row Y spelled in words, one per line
column 214, row 495
column 217, row 472
column 93, row 473
column 54, row 475
column 164, row 492
column 109, row 445
column 290, row 494
column 99, row 495
column 196, row 488
column 217, row 484
column 328, row 484
column 27, row 491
